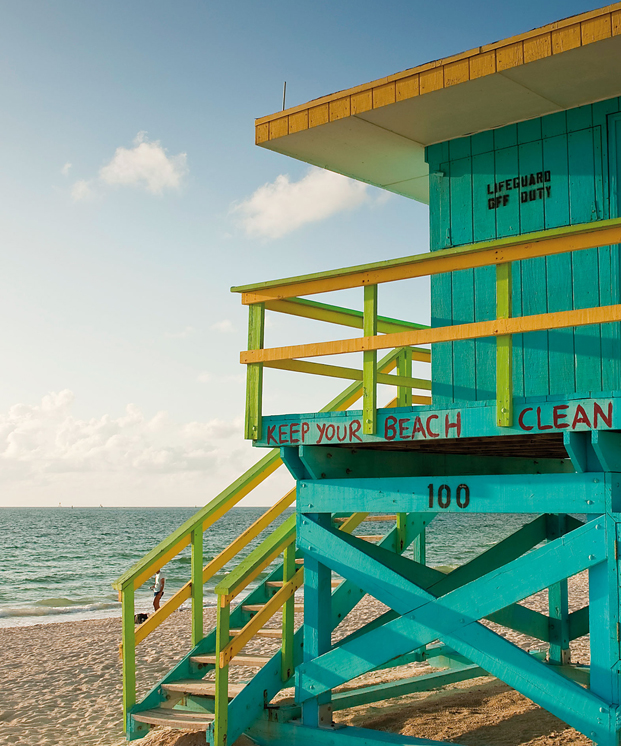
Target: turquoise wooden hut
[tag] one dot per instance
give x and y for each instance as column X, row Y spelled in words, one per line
column 516, row 148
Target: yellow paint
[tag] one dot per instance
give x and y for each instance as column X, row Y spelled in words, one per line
column 259, row 620
column 545, row 243
column 494, row 328
column 554, row 38
column 298, row 122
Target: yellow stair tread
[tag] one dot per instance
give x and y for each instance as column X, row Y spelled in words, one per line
column 182, row 719
column 272, row 634
column 199, row 687
column 238, row 660
column 280, row 583
column 258, row 607
column 367, row 537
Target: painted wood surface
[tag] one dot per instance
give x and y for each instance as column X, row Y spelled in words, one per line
column 539, row 174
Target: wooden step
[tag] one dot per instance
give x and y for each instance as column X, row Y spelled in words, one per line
column 299, row 561
column 367, row 537
column 200, row 688
column 272, row 634
column 252, row 661
column 181, row 719
column 370, row 519
column 258, row 607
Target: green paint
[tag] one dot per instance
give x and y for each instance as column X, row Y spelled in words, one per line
column 504, row 349
column 221, row 704
column 404, row 368
column 129, row 651
column 254, row 373
column 288, row 615
column 369, row 363
column 197, row 585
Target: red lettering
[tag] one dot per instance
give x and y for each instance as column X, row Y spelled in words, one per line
column 448, row 425
column 521, row 419
column 418, row 428
column 270, row 434
column 354, row 428
column 294, row 429
column 430, row 432
column 557, row 416
column 322, row 430
column 581, row 417
column 403, row 424
column 390, row 431
column 331, row 432
column 539, row 425
column 599, row 412
column 305, row 429
column 282, row 438
column 338, row 430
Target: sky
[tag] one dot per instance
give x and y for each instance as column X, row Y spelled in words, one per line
column 133, row 198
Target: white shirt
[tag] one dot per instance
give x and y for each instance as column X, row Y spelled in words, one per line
column 159, row 582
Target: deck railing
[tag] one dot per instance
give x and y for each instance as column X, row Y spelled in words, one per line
column 380, row 333
column 191, row 533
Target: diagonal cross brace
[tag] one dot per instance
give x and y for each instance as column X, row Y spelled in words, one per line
column 453, row 618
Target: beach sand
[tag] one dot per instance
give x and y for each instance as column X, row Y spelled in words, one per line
column 62, row 687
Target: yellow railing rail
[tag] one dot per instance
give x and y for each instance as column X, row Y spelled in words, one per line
column 280, row 295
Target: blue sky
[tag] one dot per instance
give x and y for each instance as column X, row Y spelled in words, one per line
column 127, row 150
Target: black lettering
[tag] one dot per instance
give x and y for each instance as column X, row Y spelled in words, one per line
column 491, row 203
column 500, row 185
column 540, row 192
column 539, row 177
column 547, row 176
column 444, row 496
column 489, row 189
column 524, row 181
column 508, row 183
column 524, row 197
column 463, row 496
column 531, row 180
column 532, row 195
column 548, row 190
column 516, row 182
column 505, row 200
column 430, row 495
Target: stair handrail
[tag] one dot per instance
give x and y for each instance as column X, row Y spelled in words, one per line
column 192, row 532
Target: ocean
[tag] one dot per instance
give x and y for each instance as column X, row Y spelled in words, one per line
column 57, row 564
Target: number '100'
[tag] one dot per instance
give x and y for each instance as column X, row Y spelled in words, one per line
column 462, row 496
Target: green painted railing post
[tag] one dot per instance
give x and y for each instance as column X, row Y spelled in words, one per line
column 221, row 704
column 504, row 349
column 288, row 615
column 402, row 529
column 197, row 585
column 404, row 368
column 254, row 373
column 369, row 362
column 128, row 643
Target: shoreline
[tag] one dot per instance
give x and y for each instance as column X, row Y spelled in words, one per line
column 62, row 683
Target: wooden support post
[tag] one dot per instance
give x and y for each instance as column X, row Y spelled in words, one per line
column 221, row 703
column 128, row 643
column 558, row 603
column 254, row 374
column 288, row 615
column 317, row 711
column 197, row 585
column 404, row 368
column 504, row 349
column 369, row 362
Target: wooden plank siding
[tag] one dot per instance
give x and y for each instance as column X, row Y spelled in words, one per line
column 574, row 147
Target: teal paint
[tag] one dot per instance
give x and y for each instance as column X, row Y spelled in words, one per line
column 574, row 148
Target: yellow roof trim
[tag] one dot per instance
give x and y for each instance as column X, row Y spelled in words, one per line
column 555, row 38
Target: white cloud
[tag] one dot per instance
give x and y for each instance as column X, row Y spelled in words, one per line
column 225, row 326
column 204, row 377
column 65, row 169
column 147, row 165
column 283, row 206
column 81, row 190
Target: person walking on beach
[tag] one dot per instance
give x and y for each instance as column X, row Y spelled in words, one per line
column 158, row 589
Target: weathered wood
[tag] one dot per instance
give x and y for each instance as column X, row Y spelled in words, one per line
column 181, row 719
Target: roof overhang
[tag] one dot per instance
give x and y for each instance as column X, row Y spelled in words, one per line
column 377, row 132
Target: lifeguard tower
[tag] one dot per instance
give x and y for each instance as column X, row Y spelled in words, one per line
column 516, row 147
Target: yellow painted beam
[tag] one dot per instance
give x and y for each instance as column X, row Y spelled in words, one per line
column 351, row 374
column 259, row 620
column 499, row 251
column 479, row 329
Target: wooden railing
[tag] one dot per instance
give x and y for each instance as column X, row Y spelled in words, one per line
column 191, row 533
column 380, row 333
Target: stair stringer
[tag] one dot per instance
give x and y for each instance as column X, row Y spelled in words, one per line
column 185, row 669
column 250, row 703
